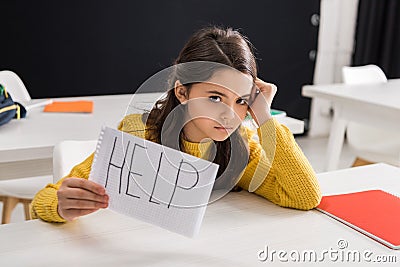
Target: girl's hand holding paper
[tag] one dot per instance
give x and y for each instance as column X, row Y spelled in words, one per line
column 78, row 197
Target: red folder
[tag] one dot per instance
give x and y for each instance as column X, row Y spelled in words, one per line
column 374, row 213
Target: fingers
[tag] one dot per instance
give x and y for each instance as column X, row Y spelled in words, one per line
column 260, row 104
column 78, row 197
column 85, row 184
column 268, row 89
column 82, row 204
column 81, row 199
column 71, row 209
column 79, row 193
column 253, row 94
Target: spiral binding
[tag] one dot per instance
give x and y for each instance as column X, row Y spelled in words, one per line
column 103, row 128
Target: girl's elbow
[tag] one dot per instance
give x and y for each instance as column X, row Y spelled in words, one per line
column 312, row 200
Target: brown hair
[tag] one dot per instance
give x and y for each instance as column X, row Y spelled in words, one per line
column 229, row 48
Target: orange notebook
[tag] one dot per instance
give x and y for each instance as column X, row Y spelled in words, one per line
column 70, row 106
column 374, row 213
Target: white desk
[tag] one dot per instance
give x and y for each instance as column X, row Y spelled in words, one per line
column 234, row 230
column 34, row 137
column 372, row 104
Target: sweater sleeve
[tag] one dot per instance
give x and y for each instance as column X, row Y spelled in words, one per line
column 278, row 169
column 45, row 203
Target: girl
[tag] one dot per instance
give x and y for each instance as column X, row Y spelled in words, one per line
column 202, row 115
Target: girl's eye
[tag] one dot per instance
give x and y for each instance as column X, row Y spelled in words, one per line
column 215, row 98
column 241, row 101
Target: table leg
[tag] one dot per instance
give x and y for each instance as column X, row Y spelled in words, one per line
column 335, row 142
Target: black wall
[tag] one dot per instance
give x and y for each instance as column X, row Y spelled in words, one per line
column 70, row 48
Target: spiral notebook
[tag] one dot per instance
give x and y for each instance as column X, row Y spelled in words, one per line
column 374, row 213
column 153, row 183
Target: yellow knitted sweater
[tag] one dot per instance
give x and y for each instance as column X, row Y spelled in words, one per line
column 277, row 170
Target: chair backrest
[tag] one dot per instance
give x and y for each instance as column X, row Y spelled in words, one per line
column 363, row 74
column 14, row 86
column 67, row 154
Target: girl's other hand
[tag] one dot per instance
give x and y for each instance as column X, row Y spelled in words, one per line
column 261, row 103
column 78, row 197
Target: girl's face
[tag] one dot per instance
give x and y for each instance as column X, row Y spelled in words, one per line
column 217, row 107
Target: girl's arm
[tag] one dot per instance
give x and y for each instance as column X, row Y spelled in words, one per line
column 47, row 202
column 278, row 169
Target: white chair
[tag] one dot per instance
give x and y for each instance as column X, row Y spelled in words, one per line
column 368, row 143
column 14, row 86
column 67, row 154
column 21, row 190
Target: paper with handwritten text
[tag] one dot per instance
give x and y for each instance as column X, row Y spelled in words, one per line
column 153, row 183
